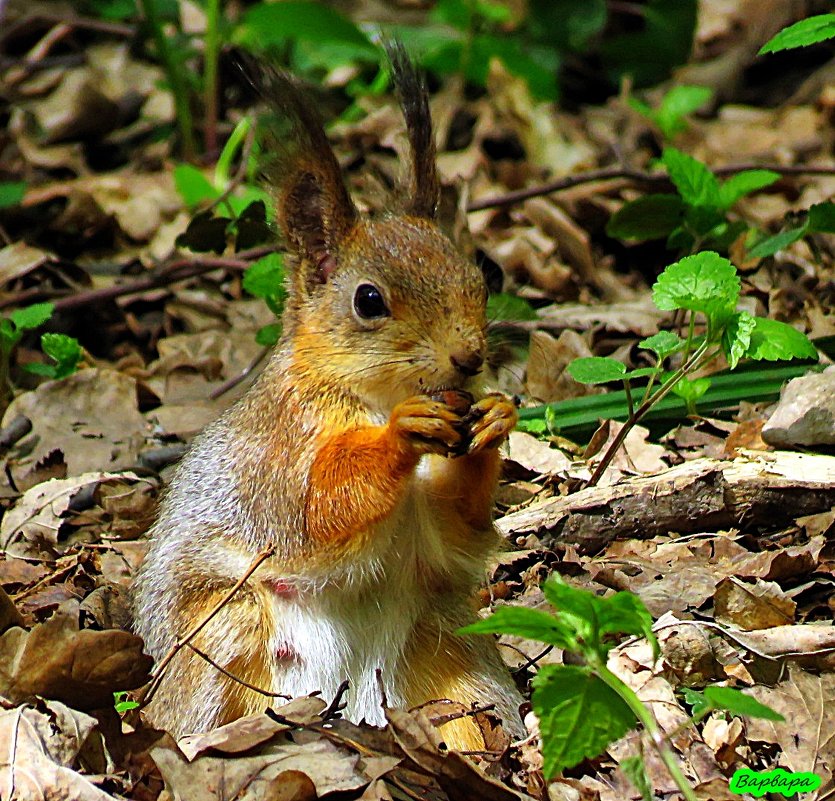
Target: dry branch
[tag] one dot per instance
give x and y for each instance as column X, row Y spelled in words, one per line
column 757, row 489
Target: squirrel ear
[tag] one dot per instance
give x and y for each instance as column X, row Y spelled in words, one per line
column 314, row 209
column 414, row 101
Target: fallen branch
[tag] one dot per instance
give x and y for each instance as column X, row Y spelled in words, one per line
column 177, row 270
column 656, row 180
column 755, row 490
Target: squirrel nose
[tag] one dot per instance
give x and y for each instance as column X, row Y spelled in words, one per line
column 467, row 363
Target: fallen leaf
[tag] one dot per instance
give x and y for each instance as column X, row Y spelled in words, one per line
column 79, row 667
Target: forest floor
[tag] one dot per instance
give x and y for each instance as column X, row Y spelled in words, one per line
column 727, row 540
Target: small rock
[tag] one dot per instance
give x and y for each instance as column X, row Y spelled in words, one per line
column 805, row 415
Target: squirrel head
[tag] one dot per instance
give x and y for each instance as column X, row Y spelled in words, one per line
column 387, row 307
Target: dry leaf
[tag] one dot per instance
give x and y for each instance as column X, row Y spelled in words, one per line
column 806, row 738
column 82, row 668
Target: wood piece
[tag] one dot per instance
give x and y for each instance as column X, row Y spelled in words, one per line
column 754, row 490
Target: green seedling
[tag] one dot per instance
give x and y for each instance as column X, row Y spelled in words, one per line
column 265, row 279
column 583, row 708
column 704, row 287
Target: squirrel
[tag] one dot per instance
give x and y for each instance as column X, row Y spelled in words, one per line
column 365, row 454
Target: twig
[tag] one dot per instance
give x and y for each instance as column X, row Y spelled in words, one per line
column 145, row 698
column 235, row 678
column 16, row 430
column 532, row 660
column 652, row 179
column 178, row 270
column 336, row 704
column 232, row 382
column 88, row 23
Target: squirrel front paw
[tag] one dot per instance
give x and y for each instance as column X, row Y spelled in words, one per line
column 493, row 418
column 426, row 425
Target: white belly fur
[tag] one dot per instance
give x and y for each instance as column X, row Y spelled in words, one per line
column 355, row 625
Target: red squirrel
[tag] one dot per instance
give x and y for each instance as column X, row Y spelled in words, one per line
column 365, row 454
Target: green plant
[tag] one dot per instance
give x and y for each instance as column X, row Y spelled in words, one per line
column 265, row 279
column 696, row 217
column 670, row 116
column 12, row 329
column 65, row 351
column 122, row 702
column 583, row 708
column 11, row 193
column 173, row 58
column 705, row 288
column 802, row 34
column 818, row 219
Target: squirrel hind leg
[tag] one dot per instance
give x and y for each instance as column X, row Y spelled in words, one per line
column 196, row 696
column 439, row 664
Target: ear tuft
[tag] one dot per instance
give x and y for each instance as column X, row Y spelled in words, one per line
column 414, row 101
column 314, row 209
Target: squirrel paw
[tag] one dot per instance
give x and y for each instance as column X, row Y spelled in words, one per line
column 426, row 425
column 494, row 418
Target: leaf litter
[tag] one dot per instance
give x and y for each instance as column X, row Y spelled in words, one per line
column 735, row 563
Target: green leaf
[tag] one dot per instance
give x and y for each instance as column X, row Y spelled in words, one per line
column 739, row 703
column 271, row 24
column 11, row 193
column 696, row 700
column 578, row 715
column 268, row 335
column 636, row 771
column 251, row 227
column 538, row 69
column 265, row 277
column 205, row 232
column 704, row 282
column 663, row 344
column 577, row 607
column 736, row 338
column 537, row 427
column 822, row 218
column 690, row 390
column 776, row 243
column 625, row 613
column 9, row 335
column 776, row 341
column 640, row 372
column 596, row 370
column 193, row 186
column 114, row 9
column 504, row 306
column 31, row 316
column 662, row 39
column 696, row 184
column 743, row 183
column 566, row 24
column 674, row 107
column 801, row 34
column 64, row 350
column 648, row 217
column 534, row 624
column 677, row 104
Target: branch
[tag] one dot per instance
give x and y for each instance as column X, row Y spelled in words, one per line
column 177, row 270
column 651, row 179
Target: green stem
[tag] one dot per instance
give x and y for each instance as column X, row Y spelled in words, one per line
column 210, row 87
column 172, row 72
column 691, row 364
column 651, row 727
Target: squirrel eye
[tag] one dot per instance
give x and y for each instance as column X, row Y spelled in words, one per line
column 369, row 303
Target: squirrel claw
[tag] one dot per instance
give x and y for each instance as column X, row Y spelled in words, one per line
column 427, row 425
column 494, row 418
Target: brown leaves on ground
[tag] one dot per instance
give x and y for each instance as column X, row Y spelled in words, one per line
column 726, row 541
